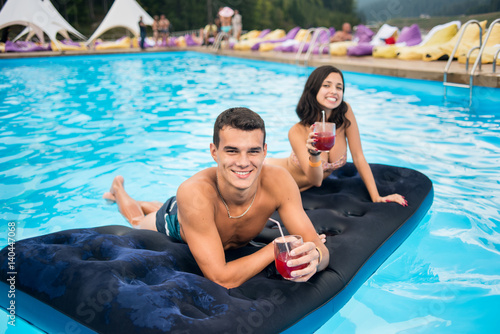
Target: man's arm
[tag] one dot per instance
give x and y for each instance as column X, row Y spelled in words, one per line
column 297, row 222
column 196, row 217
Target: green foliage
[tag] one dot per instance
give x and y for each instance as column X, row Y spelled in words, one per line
column 383, row 10
column 86, row 15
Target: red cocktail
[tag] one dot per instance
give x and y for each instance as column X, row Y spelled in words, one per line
column 325, row 142
column 281, row 259
column 282, row 248
column 325, row 136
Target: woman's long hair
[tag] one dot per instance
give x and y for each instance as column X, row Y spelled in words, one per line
column 308, row 107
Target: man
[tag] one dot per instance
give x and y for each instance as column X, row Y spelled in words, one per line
column 344, row 35
column 142, row 29
column 210, row 30
column 237, row 25
column 164, row 29
column 228, row 205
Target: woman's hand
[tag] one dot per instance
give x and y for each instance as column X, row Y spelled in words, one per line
column 311, row 140
column 393, row 198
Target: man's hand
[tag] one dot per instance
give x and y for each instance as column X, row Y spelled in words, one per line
column 309, row 256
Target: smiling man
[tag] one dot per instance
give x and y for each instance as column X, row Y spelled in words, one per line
column 227, row 206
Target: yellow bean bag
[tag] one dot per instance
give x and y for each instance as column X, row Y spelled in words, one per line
column 492, row 44
column 2, row 47
column 340, row 48
column 181, row 42
column 469, row 39
column 64, row 47
column 249, row 35
column 247, row 44
column 123, row 43
column 438, row 35
column 263, row 47
column 385, row 51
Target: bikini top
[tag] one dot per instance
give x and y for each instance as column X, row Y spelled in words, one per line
column 327, row 166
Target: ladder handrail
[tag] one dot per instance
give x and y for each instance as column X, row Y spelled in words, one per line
column 302, row 44
column 316, row 35
column 450, row 59
column 495, row 57
column 481, row 50
column 218, row 40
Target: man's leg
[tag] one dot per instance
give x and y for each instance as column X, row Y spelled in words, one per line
column 139, row 214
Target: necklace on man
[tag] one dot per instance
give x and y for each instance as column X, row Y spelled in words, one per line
column 224, row 202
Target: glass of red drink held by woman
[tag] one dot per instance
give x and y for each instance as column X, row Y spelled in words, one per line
column 325, row 137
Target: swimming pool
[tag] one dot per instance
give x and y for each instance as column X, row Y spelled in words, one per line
column 68, row 125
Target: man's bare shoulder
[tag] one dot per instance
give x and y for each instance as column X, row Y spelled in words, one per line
column 201, row 184
column 276, row 179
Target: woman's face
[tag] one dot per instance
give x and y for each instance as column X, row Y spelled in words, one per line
column 331, row 93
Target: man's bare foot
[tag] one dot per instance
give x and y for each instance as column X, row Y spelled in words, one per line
column 118, row 181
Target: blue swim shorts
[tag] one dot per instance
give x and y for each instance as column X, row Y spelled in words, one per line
column 166, row 219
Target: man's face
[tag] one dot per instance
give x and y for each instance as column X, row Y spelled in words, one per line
column 240, row 156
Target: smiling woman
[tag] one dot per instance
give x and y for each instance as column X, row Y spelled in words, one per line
column 323, row 99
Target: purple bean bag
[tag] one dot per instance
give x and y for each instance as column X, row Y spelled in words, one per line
column 22, row 46
column 361, row 49
column 363, row 34
column 69, row 42
column 410, row 35
column 189, row 40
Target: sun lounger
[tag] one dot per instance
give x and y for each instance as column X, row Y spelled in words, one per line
column 438, row 35
column 68, row 45
column 366, row 49
column 322, row 39
column 470, row 39
column 122, row 43
column 287, row 46
column 409, row 36
column 492, row 45
column 363, row 34
column 25, row 46
column 271, row 44
column 247, row 43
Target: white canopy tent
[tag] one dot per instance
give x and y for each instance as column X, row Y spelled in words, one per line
column 123, row 13
column 39, row 16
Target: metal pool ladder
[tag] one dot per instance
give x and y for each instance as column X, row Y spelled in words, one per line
column 478, row 60
column 315, row 35
column 218, row 40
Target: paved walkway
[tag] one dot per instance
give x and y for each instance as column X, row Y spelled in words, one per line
column 368, row 64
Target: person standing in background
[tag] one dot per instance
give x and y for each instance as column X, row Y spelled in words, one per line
column 237, row 25
column 142, row 29
column 164, row 29
column 156, row 27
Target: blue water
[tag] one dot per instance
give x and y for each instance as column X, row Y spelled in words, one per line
column 68, row 125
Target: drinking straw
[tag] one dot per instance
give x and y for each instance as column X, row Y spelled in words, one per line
column 324, row 125
column 282, row 235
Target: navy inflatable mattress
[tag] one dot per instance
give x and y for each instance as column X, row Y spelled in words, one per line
column 116, row 279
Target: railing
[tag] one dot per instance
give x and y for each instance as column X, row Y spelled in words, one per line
column 481, row 51
column 495, row 60
column 450, row 60
column 218, row 40
column 316, row 32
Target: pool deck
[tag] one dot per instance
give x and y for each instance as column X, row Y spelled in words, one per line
column 392, row 67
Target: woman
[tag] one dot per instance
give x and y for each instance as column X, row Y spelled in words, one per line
column 324, row 90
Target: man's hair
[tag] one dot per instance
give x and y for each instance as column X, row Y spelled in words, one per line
column 238, row 118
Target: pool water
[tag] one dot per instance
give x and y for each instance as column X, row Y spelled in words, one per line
column 70, row 124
